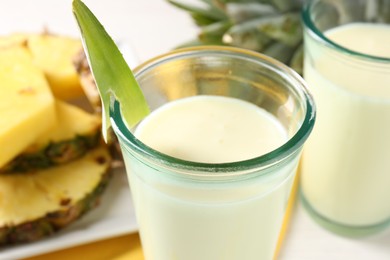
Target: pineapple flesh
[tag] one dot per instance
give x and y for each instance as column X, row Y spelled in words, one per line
column 75, row 133
column 16, row 39
column 27, row 106
column 54, row 56
column 37, row 204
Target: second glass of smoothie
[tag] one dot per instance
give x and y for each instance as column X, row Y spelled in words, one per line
column 345, row 179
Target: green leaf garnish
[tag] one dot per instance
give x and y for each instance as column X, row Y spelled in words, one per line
column 113, row 77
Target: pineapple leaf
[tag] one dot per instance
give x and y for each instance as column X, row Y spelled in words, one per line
column 296, row 62
column 246, row 35
column 210, row 2
column 283, row 5
column 113, row 76
column 202, row 20
column 239, row 12
column 279, row 51
column 285, row 28
column 384, row 12
column 211, row 12
column 214, row 32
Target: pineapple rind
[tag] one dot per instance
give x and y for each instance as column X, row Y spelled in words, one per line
column 87, row 81
column 76, row 132
column 26, row 103
column 51, row 199
column 54, row 153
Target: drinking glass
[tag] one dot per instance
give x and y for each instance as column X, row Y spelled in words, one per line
column 345, row 181
column 190, row 210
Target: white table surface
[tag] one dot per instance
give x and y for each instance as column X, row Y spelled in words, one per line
column 153, row 27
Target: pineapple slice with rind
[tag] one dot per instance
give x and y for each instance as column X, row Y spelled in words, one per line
column 54, row 55
column 26, row 102
column 76, row 132
column 37, row 204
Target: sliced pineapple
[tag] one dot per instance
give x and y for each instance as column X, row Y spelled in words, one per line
column 76, row 132
column 26, row 102
column 13, row 40
column 39, row 203
column 54, row 55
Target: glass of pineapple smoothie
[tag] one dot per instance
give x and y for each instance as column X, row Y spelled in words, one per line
column 211, row 168
column 345, row 179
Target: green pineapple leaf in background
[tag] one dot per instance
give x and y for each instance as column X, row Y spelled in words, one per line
column 114, row 78
column 272, row 27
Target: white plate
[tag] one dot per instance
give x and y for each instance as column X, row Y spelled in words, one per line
column 113, row 217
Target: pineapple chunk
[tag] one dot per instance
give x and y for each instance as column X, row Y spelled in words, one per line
column 76, row 132
column 54, row 55
column 37, row 204
column 72, row 121
column 13, row 40
column 26, row 103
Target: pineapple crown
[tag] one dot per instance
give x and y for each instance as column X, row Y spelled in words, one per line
column 272, row 27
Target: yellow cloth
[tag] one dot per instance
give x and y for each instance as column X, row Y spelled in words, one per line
column 129, row 247
column 119, row 248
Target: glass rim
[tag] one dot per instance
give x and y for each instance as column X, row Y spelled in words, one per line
column 232, row 168
column 313, row 29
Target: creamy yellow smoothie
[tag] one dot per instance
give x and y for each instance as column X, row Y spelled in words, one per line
column 212, row 129
column 210, row 220
column 346, row 163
